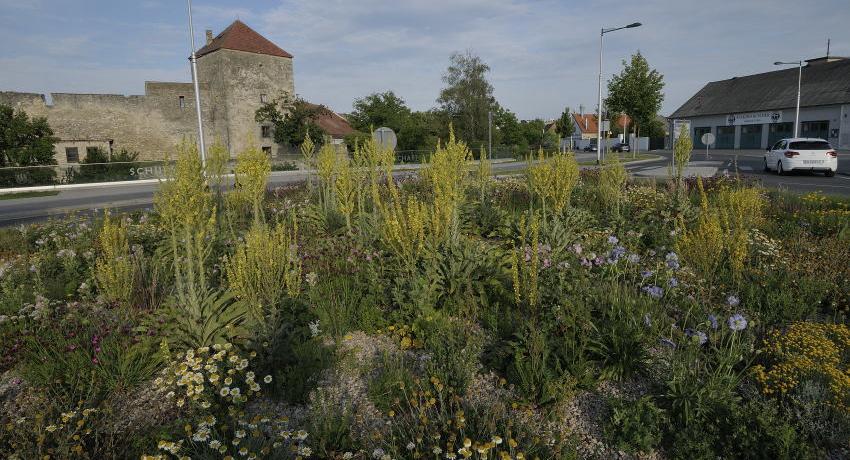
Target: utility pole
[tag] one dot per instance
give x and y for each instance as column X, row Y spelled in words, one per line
column 799, row 64
column 490, row 134
column 194, row 60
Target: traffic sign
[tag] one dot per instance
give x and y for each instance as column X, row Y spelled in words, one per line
column 707, row 139
column 385, row 137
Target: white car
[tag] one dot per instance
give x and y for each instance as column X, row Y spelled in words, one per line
column 799, row 153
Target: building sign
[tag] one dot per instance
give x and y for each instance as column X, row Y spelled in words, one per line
column 753, row 118
column 677, row 127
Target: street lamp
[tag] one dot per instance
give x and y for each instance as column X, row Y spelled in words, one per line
column 799, row 85
column 194, row 60
column 599, row 107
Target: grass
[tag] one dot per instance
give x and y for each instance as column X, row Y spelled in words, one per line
column 16, row 195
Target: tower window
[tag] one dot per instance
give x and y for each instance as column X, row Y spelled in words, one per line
column 182, row 101
column 263, row 99
column 72, row 155
column 266, row 132
column 267, row 150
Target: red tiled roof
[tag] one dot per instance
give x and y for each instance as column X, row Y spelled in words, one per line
column 590, row 127
column 240, row 37
column 333, row 123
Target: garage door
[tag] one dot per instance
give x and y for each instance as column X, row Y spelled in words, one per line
column 751, row 136
column 777, row 131
column 725, row 137
column 698, row 132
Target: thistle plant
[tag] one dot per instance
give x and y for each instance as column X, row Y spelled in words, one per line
column 265, row 267
column 114, row 271
column 252, row 173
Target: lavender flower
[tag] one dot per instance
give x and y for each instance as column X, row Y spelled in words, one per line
column 713, row 320
column 737, row 322
column 647, row 273
column 613, row 240
column 634, row 258
column 672, row 260
column 697, row 336
column 654, row 291
column 673, row 282
column 733, row 301
column 577, row 248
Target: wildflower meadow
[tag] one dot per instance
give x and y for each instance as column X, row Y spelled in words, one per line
column 444, row 313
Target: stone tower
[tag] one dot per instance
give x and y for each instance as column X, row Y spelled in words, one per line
column 242, row 70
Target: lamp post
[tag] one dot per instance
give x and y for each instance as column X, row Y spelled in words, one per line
column 799, row 86
column 599, row 107
column 194, row 60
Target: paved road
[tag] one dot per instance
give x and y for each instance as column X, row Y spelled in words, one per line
column 139, row 196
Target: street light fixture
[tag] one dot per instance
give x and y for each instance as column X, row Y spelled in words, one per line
column 194, row 60
column 599, row 107
column 799, row 85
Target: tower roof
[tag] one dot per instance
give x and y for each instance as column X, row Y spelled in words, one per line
column 240, row 37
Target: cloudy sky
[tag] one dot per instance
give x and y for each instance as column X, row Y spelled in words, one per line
column 543, row 53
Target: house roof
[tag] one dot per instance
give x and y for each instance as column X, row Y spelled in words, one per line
column 331, row 122
column 586, row 123
column 825, row 82
column 240, row 37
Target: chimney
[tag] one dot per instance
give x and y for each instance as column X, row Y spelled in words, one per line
column 209, row 36
column 581, row 110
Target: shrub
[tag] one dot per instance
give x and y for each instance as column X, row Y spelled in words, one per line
column 635, row 426
column 454, row 347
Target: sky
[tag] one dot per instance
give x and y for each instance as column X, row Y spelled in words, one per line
column 543, row 54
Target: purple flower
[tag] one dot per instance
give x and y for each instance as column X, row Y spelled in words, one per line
column 673, row 282
column 737, row 322
column 697, row 336
column 613, row 240
column 733, row 301
column 634, row 258
column 654, row 291
column 577, row 248
column 672, row 260
column 647, row 273
column 713, row 320
column 668, row 343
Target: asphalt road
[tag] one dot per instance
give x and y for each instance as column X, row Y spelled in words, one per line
column 87, row 201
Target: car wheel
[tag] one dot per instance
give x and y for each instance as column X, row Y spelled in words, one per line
column 766, row 169
column 829, row 173
column 779, row 169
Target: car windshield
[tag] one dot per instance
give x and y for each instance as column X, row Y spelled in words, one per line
column 811, row 145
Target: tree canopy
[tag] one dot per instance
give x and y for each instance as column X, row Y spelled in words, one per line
column 636, row 91
column 379, row 109
column 25, row 141
column 564, row 125
column 293, row 119
column 468, row 96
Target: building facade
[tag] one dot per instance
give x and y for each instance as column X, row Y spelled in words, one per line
column 238, row 71
column 755, row 111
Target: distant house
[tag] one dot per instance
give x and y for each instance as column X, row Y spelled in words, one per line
column 334, row 124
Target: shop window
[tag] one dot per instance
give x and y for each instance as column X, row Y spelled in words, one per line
column 72, row 155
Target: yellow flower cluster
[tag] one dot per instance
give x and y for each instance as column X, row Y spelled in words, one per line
column 183, row 200
column 404, row 336
column 803, row 351
column 114, row 271
column 252, row 172
column 62, row 436
column 404, row 228
column 553, row 180
column 447, row 174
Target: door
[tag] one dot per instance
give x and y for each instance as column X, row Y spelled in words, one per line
column 818, row 129
column 775, row 153
column 698, row 132
column 725, row 137
column 751, row 136
column 779, row 131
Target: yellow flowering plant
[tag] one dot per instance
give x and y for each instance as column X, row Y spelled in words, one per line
column 807, row 351
column 213, row 384
column 114, row 271
column 50, row 434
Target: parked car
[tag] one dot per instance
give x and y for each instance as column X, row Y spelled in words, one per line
column 620, row 147
column 590, row 147
column 802, row 154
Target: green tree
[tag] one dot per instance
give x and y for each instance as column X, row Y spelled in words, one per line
column 379, row 109
column 25, row 141
column 293, row 119
column 468, row 96
column 636, row 91
column 564, row 125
